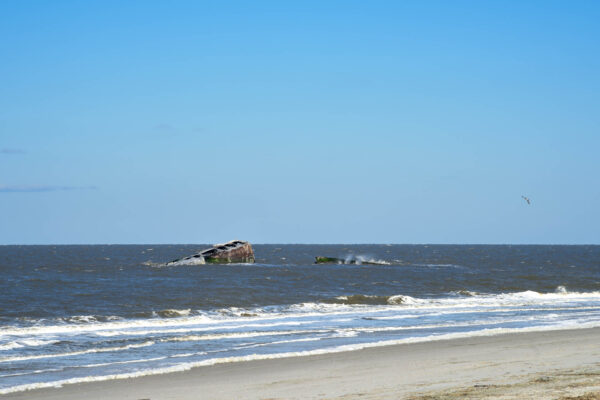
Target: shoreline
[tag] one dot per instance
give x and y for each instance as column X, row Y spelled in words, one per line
column 441, row 368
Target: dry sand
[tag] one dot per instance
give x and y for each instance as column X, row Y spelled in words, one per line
column 546, row 365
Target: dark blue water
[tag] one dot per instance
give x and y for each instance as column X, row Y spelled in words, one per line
column 84, row 312
column 127, row 281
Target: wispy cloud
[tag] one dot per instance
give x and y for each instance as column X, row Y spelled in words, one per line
column 164, row 130
column 164, row 127
column 12, row 151
column 41, row 188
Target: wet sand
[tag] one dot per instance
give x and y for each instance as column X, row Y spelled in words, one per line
column 542, row 365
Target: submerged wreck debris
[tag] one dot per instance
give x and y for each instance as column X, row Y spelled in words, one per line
column 236, row 251
column 355, row 260
column 328, row 260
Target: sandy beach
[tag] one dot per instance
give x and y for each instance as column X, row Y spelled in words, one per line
column 540, row 365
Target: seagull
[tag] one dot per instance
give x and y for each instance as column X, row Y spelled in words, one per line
column 526, row 199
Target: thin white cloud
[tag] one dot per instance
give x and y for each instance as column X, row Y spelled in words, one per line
column 163, row 126
column 40, row 188
column 12, row 151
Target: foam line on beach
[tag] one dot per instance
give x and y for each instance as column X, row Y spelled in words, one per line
column 482, row 310
column 251, row 357
column 334, row 333
column 185, row 330
column 241, row 335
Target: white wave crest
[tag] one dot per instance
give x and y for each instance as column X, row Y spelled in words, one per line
column 184, row 321
column 360, row 259
column 193, row 338
column 202, row 329
column 561, row 289
column 76, row 353
column 528, row 297
column 25, row 343
column 405, row 300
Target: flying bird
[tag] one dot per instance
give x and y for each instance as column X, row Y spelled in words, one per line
column 526, row 199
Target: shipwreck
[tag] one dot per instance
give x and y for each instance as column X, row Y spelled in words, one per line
column 235, row 251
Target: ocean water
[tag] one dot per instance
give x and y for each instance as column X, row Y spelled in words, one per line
column 86, row 313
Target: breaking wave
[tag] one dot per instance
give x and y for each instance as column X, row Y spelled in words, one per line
column 340, row 304
column 269, row 356
column 173, row 340
column 465, row 298
column 25, row 343
column 375, row 300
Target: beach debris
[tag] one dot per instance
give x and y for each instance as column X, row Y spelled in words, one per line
column 527, row 199
column 235, row 251
column 351, row 259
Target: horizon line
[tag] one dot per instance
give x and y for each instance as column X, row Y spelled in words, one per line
column 306, row 244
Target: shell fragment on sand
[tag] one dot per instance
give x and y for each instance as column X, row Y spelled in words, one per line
column 235, row 251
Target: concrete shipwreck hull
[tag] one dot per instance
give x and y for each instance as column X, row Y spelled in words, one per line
column 236, row 251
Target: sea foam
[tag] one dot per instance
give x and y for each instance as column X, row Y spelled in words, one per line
column 330, row 350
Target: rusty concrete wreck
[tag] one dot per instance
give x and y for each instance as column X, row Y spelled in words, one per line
column 235, row 251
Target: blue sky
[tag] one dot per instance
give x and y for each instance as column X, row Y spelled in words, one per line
column 299, row 122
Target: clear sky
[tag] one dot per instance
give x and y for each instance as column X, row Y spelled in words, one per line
column 299, row 122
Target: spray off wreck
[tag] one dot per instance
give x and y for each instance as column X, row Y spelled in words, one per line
column 235, row 251
column 351, row 259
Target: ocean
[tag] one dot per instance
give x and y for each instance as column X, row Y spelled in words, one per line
column 88, row 313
